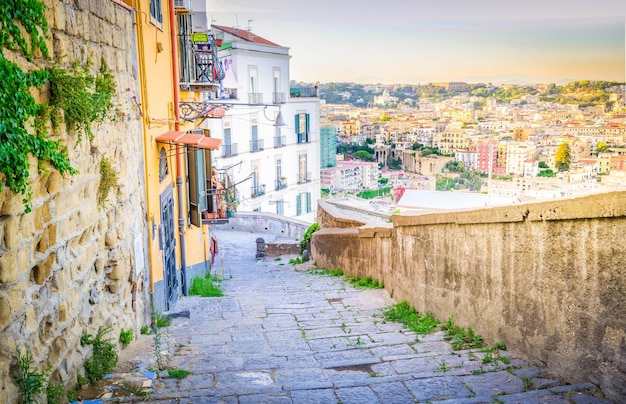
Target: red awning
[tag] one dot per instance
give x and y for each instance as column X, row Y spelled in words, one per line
column 191, row 139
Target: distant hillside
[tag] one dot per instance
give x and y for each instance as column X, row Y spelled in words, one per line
column 584, row 92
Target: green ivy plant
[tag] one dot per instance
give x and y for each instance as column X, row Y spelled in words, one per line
column 108, row 179
column 19, row 111
column 80, row 98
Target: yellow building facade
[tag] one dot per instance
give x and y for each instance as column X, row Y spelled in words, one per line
column 177, row 156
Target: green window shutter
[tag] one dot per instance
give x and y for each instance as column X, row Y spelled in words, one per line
column 299, row 204
column 308, row 202
column 297, row 123
column 308, row 124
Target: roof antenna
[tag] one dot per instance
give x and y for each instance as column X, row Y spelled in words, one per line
column 236, row 19
column 249, row 28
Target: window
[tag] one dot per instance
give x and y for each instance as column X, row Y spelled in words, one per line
column 303, row 127
column 156, row 13
column 198, row 161
column 280, row 207
column 303, row 176
column 303, row 203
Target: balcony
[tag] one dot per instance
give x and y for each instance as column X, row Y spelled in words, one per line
column 255, row 98
column 303, row 92
column 258, row 190
column 280, row 141
column 303, row 138
column 281, row 183
column 279, row 98
column 222, row 200
column 303, row 178
column 256, row 145
column 230, row 150
column 197, row 60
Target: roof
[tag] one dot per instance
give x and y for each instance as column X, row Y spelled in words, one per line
column 244, row 34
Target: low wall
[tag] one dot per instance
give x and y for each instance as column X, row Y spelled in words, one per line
column 548, row 278
column 267, row 223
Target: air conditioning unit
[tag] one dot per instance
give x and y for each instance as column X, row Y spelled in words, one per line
column 182, row 6
column 200, row 21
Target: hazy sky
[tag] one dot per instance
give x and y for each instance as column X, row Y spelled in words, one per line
column 417, row 41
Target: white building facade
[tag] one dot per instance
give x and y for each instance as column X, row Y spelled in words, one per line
column 275, row 167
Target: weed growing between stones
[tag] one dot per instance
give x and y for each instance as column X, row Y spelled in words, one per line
column 442, row 367
column 178, row 373
column 104, row 357
column 31, row 381
column 528, row 383
column 126, row 336
column 206, row 286
column 145, row 330
column 405, row 314
column 55, row 392
column 461, row 338
column 366, row 283
column 159, row 320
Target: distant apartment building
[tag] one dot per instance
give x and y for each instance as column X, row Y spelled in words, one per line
column 350, row 176
column 485, row 154
column 468, row 158
column 517, row 154
column 457, row 86
column 452, row 140
column 270, row 132
column 328, row 146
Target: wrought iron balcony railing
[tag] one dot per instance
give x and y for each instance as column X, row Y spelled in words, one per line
column 304, row 177
column 280, row 141
column 230, row 150
column 279, row 98
column 258, row 190
column 303, row 138
column 303, row 92
column 256, row 145
column 281, row 183
column 255, row 98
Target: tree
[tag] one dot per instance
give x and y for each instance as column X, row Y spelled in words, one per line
column 602, row 147
column 363, row 155
column 563, row 157
column 542, row 164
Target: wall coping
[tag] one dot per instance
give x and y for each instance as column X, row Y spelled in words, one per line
column 603, row 205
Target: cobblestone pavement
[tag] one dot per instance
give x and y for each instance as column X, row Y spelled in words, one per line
column 292, row 336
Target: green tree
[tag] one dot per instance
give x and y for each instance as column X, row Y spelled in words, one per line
column 602, row 147
column 563, row 157
column 542, row 164
column 363, row 155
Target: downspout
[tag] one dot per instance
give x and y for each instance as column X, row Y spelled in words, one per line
column 143, row 100
column 179, row 164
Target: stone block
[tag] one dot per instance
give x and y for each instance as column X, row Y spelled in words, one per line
column 5, row 312
column 25, row 258
column 12, row 232
column 30, row 319
column 8, row 267
column 114, row 286
column 10, row 204
column 52, row 234
column 118, row 273
column 42, row 271
column 63, row 312
column 27, row 225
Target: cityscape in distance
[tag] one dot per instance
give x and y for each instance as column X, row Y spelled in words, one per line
column 543, row 140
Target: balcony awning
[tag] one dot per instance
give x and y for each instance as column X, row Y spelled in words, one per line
column 191, row 139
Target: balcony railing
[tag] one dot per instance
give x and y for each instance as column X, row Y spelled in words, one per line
column 255, row 98
column 222, row 204
column 256, row 145
column 303, row 138
column 302, row 178
column 230, row 150
column 279, row 98
column 256, row 191
column 197, row 58
column 303, row 92
column 280, row 141
column 281, row 183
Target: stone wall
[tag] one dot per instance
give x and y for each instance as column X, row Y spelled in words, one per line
column 548, row 279
column 69, row 267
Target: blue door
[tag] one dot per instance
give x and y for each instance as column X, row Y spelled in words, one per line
column 169, row 248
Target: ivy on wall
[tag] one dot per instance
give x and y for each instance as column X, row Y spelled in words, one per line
column 77, row 97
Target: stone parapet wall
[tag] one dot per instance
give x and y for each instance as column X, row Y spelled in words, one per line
column 548, row 278
column 70, row 267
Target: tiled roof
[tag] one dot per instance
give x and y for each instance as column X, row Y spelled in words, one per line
column 244, row 34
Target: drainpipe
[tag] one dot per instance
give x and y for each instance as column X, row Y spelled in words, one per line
column 179, row 164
